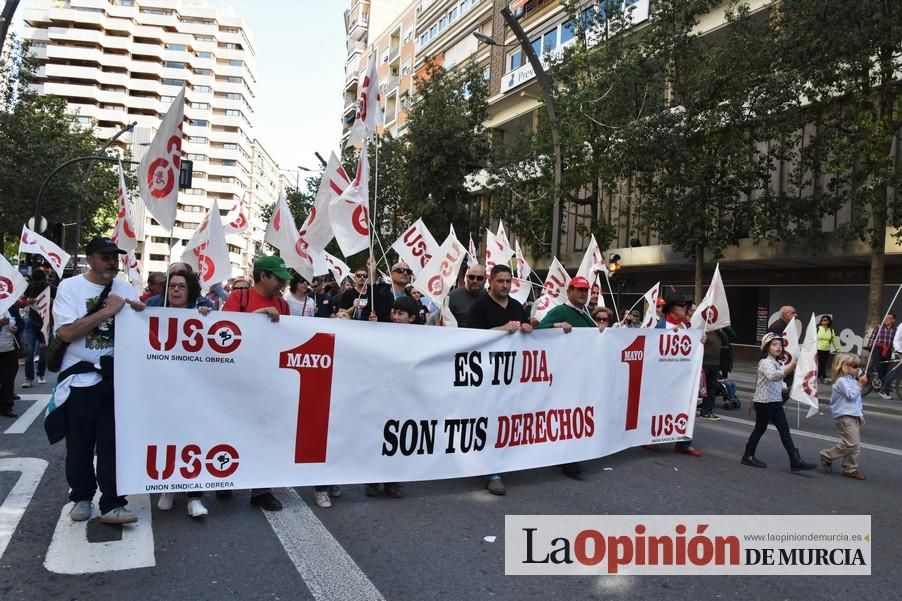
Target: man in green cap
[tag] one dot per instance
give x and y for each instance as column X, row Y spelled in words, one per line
column 265, row 296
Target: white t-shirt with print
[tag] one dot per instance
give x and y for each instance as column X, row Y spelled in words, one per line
column 73, row 299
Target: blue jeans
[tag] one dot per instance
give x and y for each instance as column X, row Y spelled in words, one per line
column 889, row 376
column 34, row 340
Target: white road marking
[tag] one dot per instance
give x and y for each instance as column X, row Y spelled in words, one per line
column 70, row 551
column 751, row 424
column 13, row 507
column 26, row 419
column 328, row 571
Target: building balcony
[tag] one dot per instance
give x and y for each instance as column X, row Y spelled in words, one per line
column 358, row 29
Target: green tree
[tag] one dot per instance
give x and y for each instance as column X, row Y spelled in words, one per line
column 843, row 59
column 445, row 142
column 37, row 134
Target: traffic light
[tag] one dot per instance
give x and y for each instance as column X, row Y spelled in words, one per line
column 614, row 264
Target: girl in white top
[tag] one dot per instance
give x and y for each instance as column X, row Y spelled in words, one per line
column 848, row 415
column 299, row 299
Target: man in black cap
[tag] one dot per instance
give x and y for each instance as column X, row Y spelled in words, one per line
column 83, row 313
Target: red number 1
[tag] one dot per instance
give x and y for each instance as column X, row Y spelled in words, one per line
column 313, row 362
column 634, row 357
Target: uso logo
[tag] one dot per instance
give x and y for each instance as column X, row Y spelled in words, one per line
column 221, row 461
column 222, row 337
column 809, row 383
column 675, row 345
column 665, row 425
column 710, row 314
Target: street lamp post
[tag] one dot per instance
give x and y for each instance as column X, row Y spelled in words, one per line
column 547, row 88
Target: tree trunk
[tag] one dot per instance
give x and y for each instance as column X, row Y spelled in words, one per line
column 699, row 263
column 878, row 249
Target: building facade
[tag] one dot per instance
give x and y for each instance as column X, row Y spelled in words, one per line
column 118, row 61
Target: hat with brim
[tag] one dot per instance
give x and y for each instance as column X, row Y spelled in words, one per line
column 770, row 337
column 274, row 265
column 579, row 282
column 102, row 245
column 671, row 299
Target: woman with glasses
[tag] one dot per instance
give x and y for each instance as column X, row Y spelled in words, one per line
column 183, row 292
column 603, row 317
column 826, row 338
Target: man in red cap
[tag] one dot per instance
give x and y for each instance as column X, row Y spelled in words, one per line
column 572, row 314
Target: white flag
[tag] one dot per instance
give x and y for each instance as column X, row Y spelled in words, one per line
column 497, row 250
column 158, row 172
column 593, row 262
column 448, row 319
column 132, row 269
column 471, row 256
column 520, row 290
column 338, row 267
column 440, row 274
column 42, row 304
column 804, row 384
column 651, row 300
column 317, row 228
column 416, row 246
column 349, row 213
column 294, row 250
column 523, row 268
column 36, row 244
column 554, row 292
column 124, row 230
column 369, row 117
column 714, row 308
column 236, row 220
column 207, row 251
column 12, row 285
column 791, row 334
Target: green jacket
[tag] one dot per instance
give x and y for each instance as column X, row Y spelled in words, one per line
column 567, row 313
column 826, row 337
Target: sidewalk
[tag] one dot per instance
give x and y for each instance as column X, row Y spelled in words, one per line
column 744, row 375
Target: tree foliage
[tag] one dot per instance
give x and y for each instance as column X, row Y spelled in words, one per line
column 37, row 134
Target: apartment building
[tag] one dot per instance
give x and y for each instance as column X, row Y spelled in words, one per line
column 118, row 61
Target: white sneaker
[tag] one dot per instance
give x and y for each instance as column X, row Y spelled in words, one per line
column 885, row 396
column 42, row 380
column 164, row 503
column 81, row 511
column 322, row 499
column 196, row 508
column 27, row 384
column 118, row 515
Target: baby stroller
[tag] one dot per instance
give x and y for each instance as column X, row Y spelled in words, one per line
column 726, row 390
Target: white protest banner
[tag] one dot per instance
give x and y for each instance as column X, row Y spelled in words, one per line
column 158, row 172
column 124, row 230
column 416, row 246
column 440, row 274
column 714, row 308
column 804, row 384
column 468, row 402
column 791, row 334
column 12, row 284
column 36, row 244
column 349, row 213
column 294, row 250
column 651, row 298
column 554, row 292
column 317, row 227
column 520, row 290
column 207, row 251
column 471, row 254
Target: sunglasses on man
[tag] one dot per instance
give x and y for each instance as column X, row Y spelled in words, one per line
column 476, row 278
column 402, row 270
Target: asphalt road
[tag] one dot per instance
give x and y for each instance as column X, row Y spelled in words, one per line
column 432, row 544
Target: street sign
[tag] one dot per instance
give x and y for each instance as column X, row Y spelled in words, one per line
column 39, row 230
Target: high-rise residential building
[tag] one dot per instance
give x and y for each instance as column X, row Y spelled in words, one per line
column 118, row 61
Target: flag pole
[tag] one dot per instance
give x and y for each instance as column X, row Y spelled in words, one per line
column 880, row 327
column 617, row 315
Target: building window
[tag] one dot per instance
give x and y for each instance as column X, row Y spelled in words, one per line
column 232, row 113
column 201, row 106
column 230, row 146
column 174, row 65
column 229, row 163
column 201, row 89
column 154, row 257
column 235, row 63
column 203, row 54
column 203, row 72
column 233, row 96
column 197, row 140
column 180, row 47
column 199, row 122
column 173, row 82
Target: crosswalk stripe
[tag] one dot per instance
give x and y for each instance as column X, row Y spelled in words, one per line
column 26, row 419
column 803, row 433
column 327, row 569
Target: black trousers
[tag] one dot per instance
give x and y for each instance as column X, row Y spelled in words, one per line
column 9, row 365
column 92, row 428
column 770, row 413
column 711, row 373
column 823, row 364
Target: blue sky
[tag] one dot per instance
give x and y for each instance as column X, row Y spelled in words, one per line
column 300, row 48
